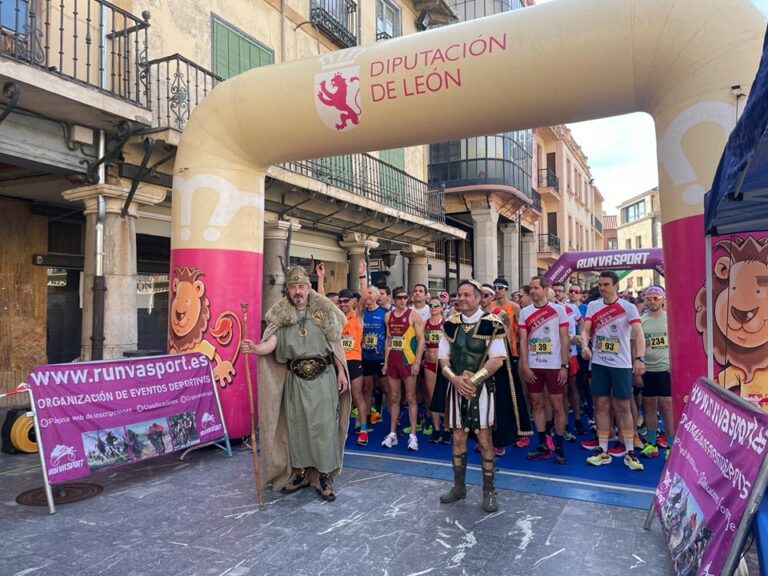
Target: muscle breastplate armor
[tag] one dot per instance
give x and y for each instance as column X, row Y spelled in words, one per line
column 467, row 352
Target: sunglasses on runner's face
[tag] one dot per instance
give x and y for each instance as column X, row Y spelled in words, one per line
column 435, row 305
column 572, row 291
column 343, row 300
column 653, row 298
column 401, row 297
column 500, row 287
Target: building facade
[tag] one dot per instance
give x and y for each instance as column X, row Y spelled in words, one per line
column 489, row 193
column 640, row 227
column 572, row 206
column 610, row 232
column 97, row 96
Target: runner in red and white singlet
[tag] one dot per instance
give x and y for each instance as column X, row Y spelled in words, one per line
column 544, row 348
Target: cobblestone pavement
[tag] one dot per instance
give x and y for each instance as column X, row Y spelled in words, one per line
column 199, row 517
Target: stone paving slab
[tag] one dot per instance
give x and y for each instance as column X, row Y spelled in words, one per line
column 200, row 517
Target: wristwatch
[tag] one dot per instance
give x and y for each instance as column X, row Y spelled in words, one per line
column 564, row 366
column 641, row 358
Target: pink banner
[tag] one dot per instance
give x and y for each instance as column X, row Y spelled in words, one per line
column 205, row 317
column 703, row 494
column 95, row 415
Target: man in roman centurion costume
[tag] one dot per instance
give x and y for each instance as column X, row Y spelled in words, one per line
column 471, row 350
column 304, row 403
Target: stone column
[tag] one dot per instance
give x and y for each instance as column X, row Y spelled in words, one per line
column 528, row 259
column 486, row 252
column 275, row 243
column 356, row 244
column 510, row 254
column 120, row 268
column 418, row 265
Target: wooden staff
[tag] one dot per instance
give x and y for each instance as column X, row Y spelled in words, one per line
column 254, row 445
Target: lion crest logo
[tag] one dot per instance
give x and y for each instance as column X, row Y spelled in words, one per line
column 337, row 98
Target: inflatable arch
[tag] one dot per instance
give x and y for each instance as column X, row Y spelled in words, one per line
column 544, row 65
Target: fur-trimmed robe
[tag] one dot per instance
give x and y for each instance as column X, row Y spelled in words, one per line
column 273, row 432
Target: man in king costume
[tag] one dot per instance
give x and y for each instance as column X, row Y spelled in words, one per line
column 471, row 350
column 304, row 403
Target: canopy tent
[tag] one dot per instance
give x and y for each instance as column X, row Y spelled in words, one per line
column 738, row 200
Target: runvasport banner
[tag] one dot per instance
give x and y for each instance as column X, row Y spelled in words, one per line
column 95, row 415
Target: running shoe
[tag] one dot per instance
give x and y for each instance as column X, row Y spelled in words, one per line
column 591, row 422
column 375, row 416
column 599, row 458
column 568, row 436
column 524, row 442
column 649, row 451
column 413, row 443
column 407, row 429
column 579, row 427
column 591, row 444
column 436, row 437
column 617, row 449
column 661, row 441
column 427, row 430
column 550, row 443
column 560, row 456
column 362, row 439
column 390, row 440
column 631, row 462
column 666, row 454
column 354, row 413
column 499, row 452
column 540, row 453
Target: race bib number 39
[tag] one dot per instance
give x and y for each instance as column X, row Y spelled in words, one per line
column 608, row 345
column 540, row 346
column 396, row 343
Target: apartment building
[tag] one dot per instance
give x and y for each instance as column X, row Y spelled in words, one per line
column 572, row 206
column 640, row 227
column 95, row 98
column 489, row 193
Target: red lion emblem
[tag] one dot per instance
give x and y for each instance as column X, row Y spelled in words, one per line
column 338, row 99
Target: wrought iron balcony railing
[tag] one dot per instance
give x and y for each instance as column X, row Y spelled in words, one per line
column 549, row 243
column 548, row 179
column 382, row 36
column 597, row 223
column 176, row 87
column 536, row 199
column 337, row 18
column 370, row 178
column 92, row 42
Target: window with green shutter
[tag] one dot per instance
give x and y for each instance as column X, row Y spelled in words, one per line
column 392, row 179
column 235, row 52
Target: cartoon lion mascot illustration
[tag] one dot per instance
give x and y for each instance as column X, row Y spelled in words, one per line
column 190, row 313
column 740, row 319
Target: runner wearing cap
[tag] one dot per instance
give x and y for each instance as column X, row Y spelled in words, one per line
column 657, row 384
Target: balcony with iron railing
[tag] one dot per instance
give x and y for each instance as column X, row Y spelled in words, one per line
column 372, row 179
column 337, row 19
column 549, row 244
column 548, row 179
column 597, row 223
column 91, row 42
column 536, row 200
column 176, row 87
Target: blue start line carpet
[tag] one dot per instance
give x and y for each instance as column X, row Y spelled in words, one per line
column 613, row 483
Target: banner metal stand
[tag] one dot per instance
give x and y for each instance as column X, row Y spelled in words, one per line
column 221, row 443
column 20, row 389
